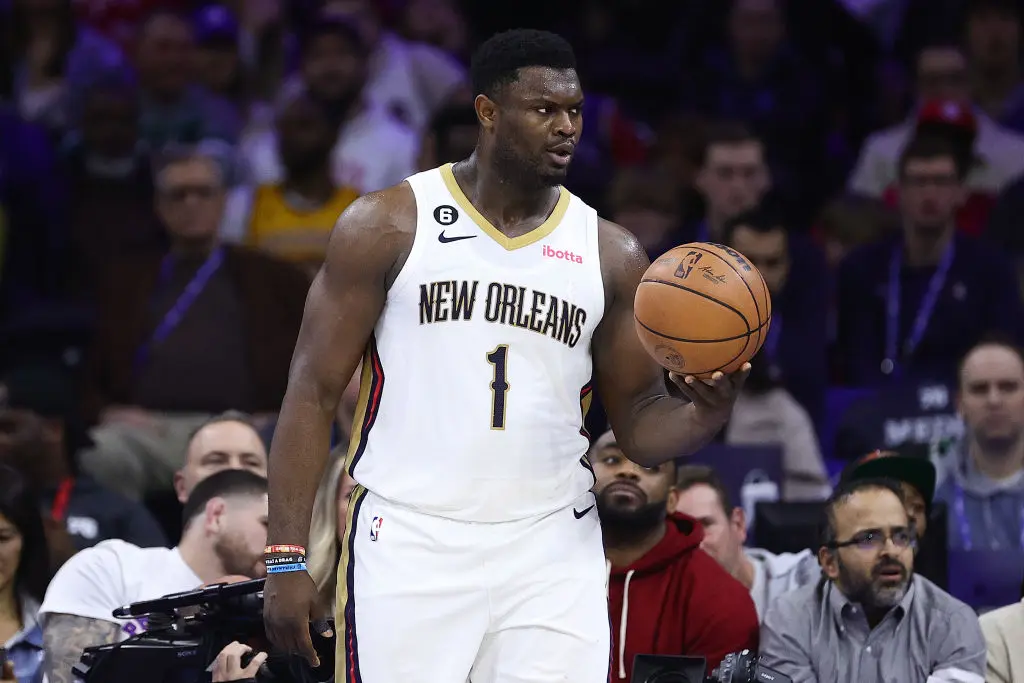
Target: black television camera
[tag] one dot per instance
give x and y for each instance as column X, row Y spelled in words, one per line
column 185, row 633
column 736, row 667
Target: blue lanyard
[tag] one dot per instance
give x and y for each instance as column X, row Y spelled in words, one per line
column 771, row 344
column 960, row 510
column 188, row 296
column 703, row 233
column 924, row 312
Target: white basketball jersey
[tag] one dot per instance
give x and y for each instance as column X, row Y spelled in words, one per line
column 478, row 375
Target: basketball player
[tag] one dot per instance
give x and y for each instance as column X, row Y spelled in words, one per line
column 482, row 298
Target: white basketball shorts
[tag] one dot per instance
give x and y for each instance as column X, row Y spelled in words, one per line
column 424, row 599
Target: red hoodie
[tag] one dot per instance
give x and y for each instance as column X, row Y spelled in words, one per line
column 677, row 600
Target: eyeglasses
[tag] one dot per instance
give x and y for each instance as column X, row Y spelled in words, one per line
column 874, row 539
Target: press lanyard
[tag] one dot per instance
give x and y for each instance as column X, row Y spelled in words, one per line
column 924, row 312
column 703, row 233
column 771, row 344
column 59, row 509
column 184, row 302
column 965, row 526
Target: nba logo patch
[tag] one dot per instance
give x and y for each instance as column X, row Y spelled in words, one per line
column 375, row 527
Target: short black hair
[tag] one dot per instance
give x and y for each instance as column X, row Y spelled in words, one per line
column 760, row 219
column 223, row 484
column 497, row 61
column 688, row 476
column 933, row 145
column 728, row 133
column 842, row 493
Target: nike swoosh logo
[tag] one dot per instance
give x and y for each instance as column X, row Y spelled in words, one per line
column 445, row 240
column 578, row 514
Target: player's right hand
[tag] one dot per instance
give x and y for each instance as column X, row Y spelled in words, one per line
column 290, row 604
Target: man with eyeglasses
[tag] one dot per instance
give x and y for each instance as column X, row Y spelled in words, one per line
column 870, row 619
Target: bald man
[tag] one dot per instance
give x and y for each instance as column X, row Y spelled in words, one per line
column 228, row 441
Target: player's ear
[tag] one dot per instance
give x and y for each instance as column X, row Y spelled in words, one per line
column 486, row 111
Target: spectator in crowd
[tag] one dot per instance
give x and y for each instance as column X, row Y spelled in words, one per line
column 228, row 441
column 871, row 618
column 795, row 350
column 110, row 208
column 327, row 528
column 33, row 228
column 699, row 493
column 992, row 31
column 451, row 137
column 24, row 573
column 175, row 109
column 916, row 476
column 225, row 533
column 909, row 307
column 943, row 95
column 42, row 436
column 218, row 63
column 436, row 22
column 666, row 596
column 293, row 219
column 758, row 78
column 732, row 177
column 410, row 80
column 646, row 203
column 373, row 150
column 849, row 222
column 199, row 330
column 55, row 58
column 985, row 488
column 1003, row 629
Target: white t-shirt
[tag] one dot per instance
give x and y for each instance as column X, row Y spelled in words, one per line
column 111, row 574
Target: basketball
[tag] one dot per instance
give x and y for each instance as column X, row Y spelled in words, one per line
column 702, row 308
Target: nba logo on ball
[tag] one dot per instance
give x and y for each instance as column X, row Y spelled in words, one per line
column 375, row 527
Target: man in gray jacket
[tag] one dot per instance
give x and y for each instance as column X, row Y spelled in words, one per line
column 700, row 494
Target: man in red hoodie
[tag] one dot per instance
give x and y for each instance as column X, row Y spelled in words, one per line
column 666, row 595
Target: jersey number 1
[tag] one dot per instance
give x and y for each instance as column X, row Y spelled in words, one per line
column 499, row 385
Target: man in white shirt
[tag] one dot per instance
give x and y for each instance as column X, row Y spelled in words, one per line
column 225, row 533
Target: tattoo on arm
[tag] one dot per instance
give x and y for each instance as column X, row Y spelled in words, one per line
column 65, row 637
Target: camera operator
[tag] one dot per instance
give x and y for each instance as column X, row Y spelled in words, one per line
column 227, row 668
column 224, row 533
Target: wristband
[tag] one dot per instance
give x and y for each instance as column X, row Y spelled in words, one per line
column 285, row 568
column 287, row 549
column 272, row 560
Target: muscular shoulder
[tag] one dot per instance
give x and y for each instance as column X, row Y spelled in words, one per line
column 623, row 259
column 376, row 230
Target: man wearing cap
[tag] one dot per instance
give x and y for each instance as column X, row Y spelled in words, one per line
column 943, row 99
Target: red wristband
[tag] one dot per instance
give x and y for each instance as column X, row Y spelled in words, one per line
column 286, row 549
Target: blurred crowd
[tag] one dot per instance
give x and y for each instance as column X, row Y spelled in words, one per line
column 170, row 171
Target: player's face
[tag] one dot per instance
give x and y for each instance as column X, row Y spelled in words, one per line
column 991, row 398
column 768, row 252
column 538, row 123
column 873, row 576
column 629, row 494
column 930, row 193
column 724, row 533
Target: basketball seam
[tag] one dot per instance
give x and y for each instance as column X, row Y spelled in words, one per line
column 753, row 297
column 697, row 341
column 709, row 298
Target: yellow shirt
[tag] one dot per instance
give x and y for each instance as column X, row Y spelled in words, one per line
column 297, row 235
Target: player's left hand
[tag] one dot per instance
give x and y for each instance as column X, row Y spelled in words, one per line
column 712, row 397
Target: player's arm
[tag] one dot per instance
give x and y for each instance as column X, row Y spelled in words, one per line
column 368, row 243
column 367, row 248
column 65, row 637
column 651, row 424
